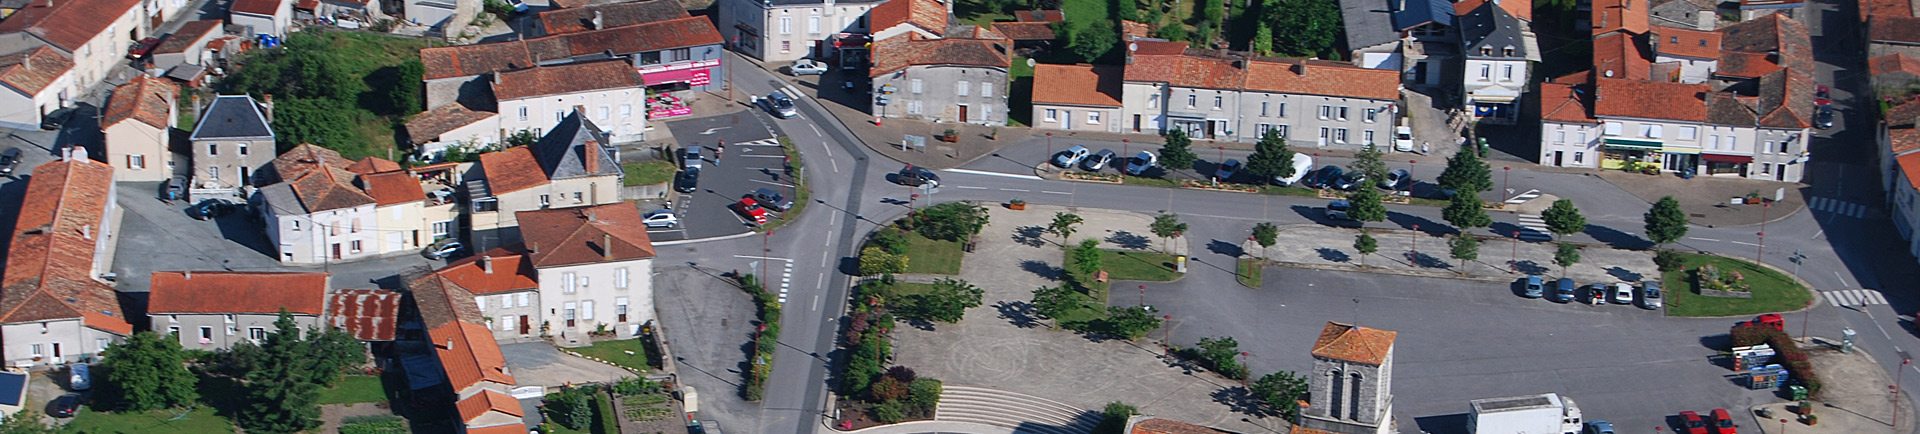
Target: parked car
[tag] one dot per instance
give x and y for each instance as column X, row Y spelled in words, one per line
column 1227, row 169
column 806, row 67
column 1351, row 180
column 173, row 189
column 1721, row 422
column 660, row 218
column 140, row 49
column 1563, row 290
column 65, row 406
column 1140, row 163
column 688, row 181
column 1403, row 138
column 519, row 6
column 1823, row 117
column 1597, row 294
column 442, row 250
column 1398, row 179
column 917, row 176
column 1337, row 210
column 79, row 377
column 1302, row 167
column 1535, row 287
column 751, row 210
column 1098, row 161
column 9, row 159
column 1325, row 177
column 1599, row 427
column 690, row 157
column 1822, row 95
column 209, row 209
column 709, row 427
column 1071, row 156
column 1693, row 423
column 53, row 121
column 1622, row 293
column 778, row 104
column 772, row 199
column 1650, row 294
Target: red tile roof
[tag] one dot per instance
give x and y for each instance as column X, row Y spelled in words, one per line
column 1130, row 29
column 928, row 15
column 1354, row 344
column 49, row 274
column 487, row 401
column 1894, row 29
column 190, row 33
column 564, row 79
column 1890, row 8
column 1907, row 113
column 512, row 169
column 369, row 314
column 441, row 301
column 1785, row 40
column 575, row 20
column 570, row 236
column 305, row 158
column 1895, row 62
column 371, row 165
column 145, row 99
column 1904, row 139
column 1651, row 100
column 217, row 292
column 388, row 188
column 1170, row 426
column 1619, row 56
column 1674, row 41
column 1314, row 77
column 1200, row 69
column 1025, row 31
column 328, row 189
column 1040, row 16
column 1084, row 85
column 1786, row 99
column 654, row 36
column 34, row 70
column 1561, row 103
column 466, row 60
column 258, row 7
column 68, row 24
column 1620, row 15
column 511, row 272
column 469, row 354
column 1744, row 65
column 1522, row 9
column 899, row 52
column 1158, row 48
column 427, row 127
column 512, row 428
column 1910, row 166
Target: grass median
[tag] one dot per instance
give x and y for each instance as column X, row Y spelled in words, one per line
column 1772, row 290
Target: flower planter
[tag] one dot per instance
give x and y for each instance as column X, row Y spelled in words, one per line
column 1017, row 206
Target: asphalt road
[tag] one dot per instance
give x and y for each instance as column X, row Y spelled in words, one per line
column 744, row 167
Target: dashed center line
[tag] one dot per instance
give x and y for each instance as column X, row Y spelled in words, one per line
column 1015, row 189
column 969, row 187
column 1055, row 192
column 1702, row 239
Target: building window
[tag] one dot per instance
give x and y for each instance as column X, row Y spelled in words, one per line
column 1560, row 136
column 569, row 314
column 206, row 335
column 586, row 309
column 1052, row 115
column 1283, row 109
column 786, row 46
column 213, row 149
column 1263, row 109
column 583, row 282
column 1733, row 143
column 171, row 330
column 523, row 114
column 813, row 24
column 1577, row 156
column 986, row 90
column 1713, row 141
column 1506, row 73
column 1217, row 102
column 1766, row 167
column 136, row 161
column 1689, row 133
column 1192, row 100
column 523, row 299
column 36, row 350
column 577, row 198
column 1281, row 130
column 1093, row 118
column 442, row 228
column 1650, row 131
column 1369, row 137
column 605, row 112
column 243, row 148
column 1153, row 101
column 1326, row 111
column 506, row 300
column 1371, row 114
column 786, row 27
column 355, row 244
column 914, row 107
column 1340, row 135
column 1783, row 146
column 545, row 200
column 1343, row 113
column 566, row 282
column 913, row 85
column 1486, row 71
column 1767, row 147
column 1614, row 128
column 960, row 88
column 620, row 309
column 620, row 278
column 626, row 110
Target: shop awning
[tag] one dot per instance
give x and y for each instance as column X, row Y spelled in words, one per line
column 1183, row 115
column 1632, row 145
column 1673, row 150
column 1730, row 159
column 668, row 77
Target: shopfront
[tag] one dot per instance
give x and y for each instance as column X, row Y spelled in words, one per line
column 670, row 87
column 1679, row 159
column 1726, row 165
column 1618, row 153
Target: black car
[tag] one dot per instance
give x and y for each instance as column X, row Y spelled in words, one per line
column 65, row 406
column 688, row 181
column 52, row 121
column 9, row 159
column 772, row 200
column 917, row 176
column 1325, row 177
column 1823, row 117
column 1352, row 181
column 209, row 209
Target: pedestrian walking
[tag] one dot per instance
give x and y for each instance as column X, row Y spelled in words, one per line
column 719, row 150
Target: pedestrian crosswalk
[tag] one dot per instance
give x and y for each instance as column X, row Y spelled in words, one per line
column 1523, row 197
column 761, row 142
column 1854, row 297
column 1533, row 228
column 1848, row 209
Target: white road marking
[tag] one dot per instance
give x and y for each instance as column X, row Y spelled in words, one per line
column 820, row 281
column 1816, row 234
column 1055, row 192
column 1015, row 189
column 765, row 156
column 770, row 183
column 969, row 187
column 770, row 258
column 816, row 302
column 1744, row 243
column 830, row 160
column 1702, row 239
column 986, row 173
column 816, row 130
column 702, row 240
column 1843, row 280
column 710, row 131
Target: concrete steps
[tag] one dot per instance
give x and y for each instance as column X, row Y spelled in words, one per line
column 1012, row 410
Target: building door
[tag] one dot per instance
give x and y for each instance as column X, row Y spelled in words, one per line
column 963, row 113
column 1557, row 156
column 1066, row 119
column 336, row 250
column 1136, row 123
column 56, row 352
column 523, row 325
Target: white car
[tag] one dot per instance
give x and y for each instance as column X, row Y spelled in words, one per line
column 1140, row 163
column 660, row 218
column 806, row 67
column 1622, row 293
column 1302, row 166
column 1403, row 138
column 1070, row 157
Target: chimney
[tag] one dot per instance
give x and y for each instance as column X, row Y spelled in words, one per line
column 597, row 24
column 606, row 246
column 448, row 345
column 27, row 61
column 86, row 232
column 592, row 156
column 268, row 106
column 486, row 264
column 189, row 274
column 1300, row 67
column 536, row 247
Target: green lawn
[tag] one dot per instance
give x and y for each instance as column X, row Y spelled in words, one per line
column 616, row 352
column 801, row 194
column 603, row 419
column 355, row 389
column 931, row 256
column 975, row 13
column 647, row 172
column 1138, row 265
column 1079, row 10
column 353, row 112
column 1772, row 291
column 1248, row 272
column 200, row 421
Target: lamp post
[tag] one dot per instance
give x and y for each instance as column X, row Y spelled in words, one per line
column 1125, row 157
column 1904, row 361
column 1413, row 254
column 1803, row 321
column 1506, row 174
column 1410, row 181
column 1166, row 339
column 1143, row 295
column 1783, row 425
column 1514, row 264
column 1762, row 248
column 1244, row 367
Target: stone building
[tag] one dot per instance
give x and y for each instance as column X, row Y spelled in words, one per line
column 1351, row 388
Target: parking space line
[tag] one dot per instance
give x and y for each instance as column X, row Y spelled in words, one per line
column 969, row 187
column 1702, row 239
column 986, row 173
column 765, row 156
column 1744, row 243
column 770, row 183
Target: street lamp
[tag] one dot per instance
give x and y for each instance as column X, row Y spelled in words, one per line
column 1049, row 145
column 1125, row 156
column 1143, row 295
column 1166, row 339
column 1244, row 367
column 1762, row 248
column 1515, row 263
column 1413, row 255
column 1506, row 174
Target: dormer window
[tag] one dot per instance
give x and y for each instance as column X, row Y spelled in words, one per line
column 1507, row 52
column 1486, row 51
column 1673, row 40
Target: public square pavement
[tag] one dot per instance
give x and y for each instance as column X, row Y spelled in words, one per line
column 753, row 160
column 709, row 324
column 1464, row 340
column 540, row 364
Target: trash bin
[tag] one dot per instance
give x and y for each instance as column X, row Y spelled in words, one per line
column 1799, row 392
column 1686, row 173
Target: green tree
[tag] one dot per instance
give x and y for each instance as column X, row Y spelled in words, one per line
column 406, row 92
column 1368, row 162
column 1365, row 204
column 1063, row 223
column 1466, row 174
column 334, row 353
column 1205, row 33
column 1464, row 211
column 1305, row 28
column 1365, row 245
column 149, row 372
column 947, row 301
column 1092, row 40
column 1214, row 11
column 1266, row 234
column 875, row 262
column 1175, row 33
column 924, row 393
column 1220, row 353
column 1177, row 154
column 314, row 120
column 1263, row 39
column 26, row 422
column 1113, row 419
column 891, row 241
column 1166, row 226
column 1666, row 222
column 1565, row 256
column 889, row 412
column 1086, row 257
column 1129, row 322
column 1563, row 219
column 280, row 389
column 951, row 221
column 1271, row 159
column 1465, row 248
column 571, row 408
column 1051, row 301
column 522, row 138
column 1282, row 391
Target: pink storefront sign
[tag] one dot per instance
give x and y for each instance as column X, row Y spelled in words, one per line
column 696, row 77
column 668, row 112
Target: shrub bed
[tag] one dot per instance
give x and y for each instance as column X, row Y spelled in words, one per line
column 766, row 340
column 1786, row 352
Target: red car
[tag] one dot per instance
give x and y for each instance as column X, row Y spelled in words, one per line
column 1722, row 422
column 1821, row 95
column 750, row 209
column 1693, row 423
column 140, row 49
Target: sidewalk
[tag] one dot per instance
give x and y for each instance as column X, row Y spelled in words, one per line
column 1707, row 199
column 1856, row 402
column 1598, row 264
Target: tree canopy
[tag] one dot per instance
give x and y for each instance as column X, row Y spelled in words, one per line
column 150, row 372
column 1305, row 28
column 1282, row 391
column 1364, row 204
column 280, row 389
column 1177, row 154
column 1563, row 219
column 1271, row 158
column 1666, row 222
column 1464, row 211
column 1063, row 223
column 1466, row 174
column 947, row 301
column 951, row 221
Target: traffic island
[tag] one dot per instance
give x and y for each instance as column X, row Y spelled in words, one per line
column 1691, row 285
column 1417, row 253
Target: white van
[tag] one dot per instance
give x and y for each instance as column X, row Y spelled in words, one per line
column 80, row 378
column 1302, row 165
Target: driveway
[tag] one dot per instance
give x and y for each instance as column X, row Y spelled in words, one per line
column 540, row 364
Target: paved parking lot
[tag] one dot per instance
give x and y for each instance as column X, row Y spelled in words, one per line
column 540, row 364
column 753, row 160
column 1463, row 340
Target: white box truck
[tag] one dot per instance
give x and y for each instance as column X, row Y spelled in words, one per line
column 1532, row 414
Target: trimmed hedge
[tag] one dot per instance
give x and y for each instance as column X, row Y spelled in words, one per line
column 1786, row 352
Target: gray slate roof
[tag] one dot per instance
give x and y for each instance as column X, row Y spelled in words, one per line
column 232, row 117
column 1374, row 22
column 802, row 3
column 1491, row 26
column 562, row 151
column 280, row 196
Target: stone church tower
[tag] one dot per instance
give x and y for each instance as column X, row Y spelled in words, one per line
column 1350, row 390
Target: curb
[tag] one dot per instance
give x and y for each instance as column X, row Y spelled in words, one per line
column 1379, row 270
column 702, row 240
